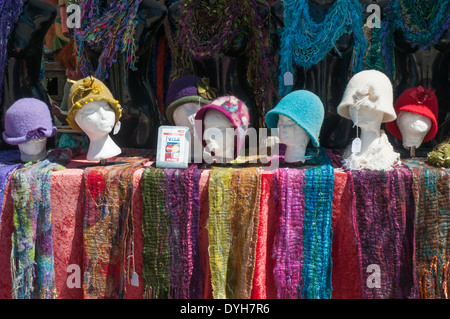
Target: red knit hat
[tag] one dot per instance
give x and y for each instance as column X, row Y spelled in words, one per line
column 416, row 100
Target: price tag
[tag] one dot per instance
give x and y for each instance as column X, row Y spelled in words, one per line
column 356, row 145
column 288, row 79
column 117, row 127
column 135, row 280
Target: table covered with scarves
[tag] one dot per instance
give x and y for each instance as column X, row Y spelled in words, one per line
column 74, row 229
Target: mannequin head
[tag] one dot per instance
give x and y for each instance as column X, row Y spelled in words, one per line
column 97, row 120
column 294, row 137
column 366, row 119
column 184, row 115
column 413, row 127
column 219, row 135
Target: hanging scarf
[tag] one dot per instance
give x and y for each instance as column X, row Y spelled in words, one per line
column 155, row 227
column 9, row 161
column 234, row 196
column 32, row 263
column 422, row 23
column 112, row 30
column 10, row 11
column 302, row 246
column 108, row 227
column 304, row 42
column 431, row 193
column 207, row 30
column 171, row 231
column 383, row 219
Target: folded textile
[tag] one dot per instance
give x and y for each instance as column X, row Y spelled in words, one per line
column 234, row 196
column 9, row 161
column 32, row 262
column 302, row 245
column 108, row 227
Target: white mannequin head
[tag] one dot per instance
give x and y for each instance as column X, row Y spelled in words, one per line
column 413, row 127
column 97, row 120
column 219, row 134
column 184, row 115
column 369, row 120
column 33, row 150
column 294, row 137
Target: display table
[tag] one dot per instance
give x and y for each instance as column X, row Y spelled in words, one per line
column 349, row 266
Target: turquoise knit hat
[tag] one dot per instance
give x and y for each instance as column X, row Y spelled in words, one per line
column 304, row 108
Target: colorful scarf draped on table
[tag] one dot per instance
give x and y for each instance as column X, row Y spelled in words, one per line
column 431, row 192
column 32, row 263
column 170, row 224
column 234, row 198
column 9, row 161
column 108, row 227
column 302, row 245
column 383, row 221
column 304, row 42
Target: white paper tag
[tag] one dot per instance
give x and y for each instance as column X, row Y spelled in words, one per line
column 356, row 145
column 117, row 127
column 135, row 280
column 288, row 79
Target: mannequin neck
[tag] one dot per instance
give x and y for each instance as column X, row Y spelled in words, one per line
column 33, row 157
column 368, row 137
column 102, row 147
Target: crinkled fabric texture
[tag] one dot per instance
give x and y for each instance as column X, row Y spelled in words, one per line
column 32, row 261
column 432, row 230
column 108, row 227
column 302, row 251
column 234, row 197
column 383, row 222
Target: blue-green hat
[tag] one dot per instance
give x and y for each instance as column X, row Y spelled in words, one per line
column 304, row 108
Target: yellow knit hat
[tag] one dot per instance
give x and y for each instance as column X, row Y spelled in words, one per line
column 88, row 90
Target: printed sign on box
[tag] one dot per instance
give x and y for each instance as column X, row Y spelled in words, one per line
column 173, row 147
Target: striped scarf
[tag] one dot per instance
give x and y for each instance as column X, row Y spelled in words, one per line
column 383, row 217
column 32, row 263
column 108, row 227
column 302, row 245
column 234, row 197
column 431, row 192
column 170, row 224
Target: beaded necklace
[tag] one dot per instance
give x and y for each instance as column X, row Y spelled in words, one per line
column 304, row 42
column 206, row 30
column 422, row 23
column 10, row 12
column 112, row 29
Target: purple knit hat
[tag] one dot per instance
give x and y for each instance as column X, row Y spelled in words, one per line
column 235, row 110
column 27, row 119
column 188, row 89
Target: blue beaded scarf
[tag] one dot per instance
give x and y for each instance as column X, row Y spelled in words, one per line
column 305, row 42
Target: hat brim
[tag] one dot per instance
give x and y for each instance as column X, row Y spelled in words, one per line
column 71, row 116
column 24, row 139
column 392, row 127
column 272, row 122
column 344, row 111
column 187, row 99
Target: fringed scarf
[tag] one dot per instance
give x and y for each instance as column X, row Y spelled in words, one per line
column 171, row 230
column 234, row 196
column 302, row 245
column 9, row 161
column 431, row 193
column 32, row 263
column 108, row 227
column 383, row 217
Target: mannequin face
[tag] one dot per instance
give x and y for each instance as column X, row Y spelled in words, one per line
column 96, row 118
column 184, row 114
column 33, row 150
column 294, row 137
column 413, row 127
column 219, row 134
column 366, row 118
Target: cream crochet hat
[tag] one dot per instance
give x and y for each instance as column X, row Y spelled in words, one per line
column 371, row 89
